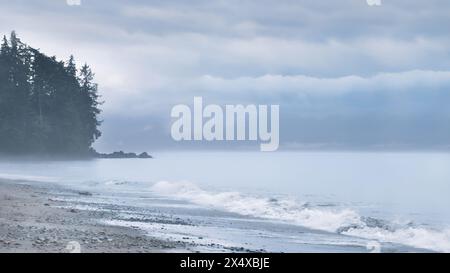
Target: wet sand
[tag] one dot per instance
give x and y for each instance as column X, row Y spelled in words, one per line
column 32, row 221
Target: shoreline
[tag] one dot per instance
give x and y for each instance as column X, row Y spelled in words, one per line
column 33, row 220
column 46, row 217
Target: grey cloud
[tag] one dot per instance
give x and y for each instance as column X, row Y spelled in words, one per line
column 342, row 71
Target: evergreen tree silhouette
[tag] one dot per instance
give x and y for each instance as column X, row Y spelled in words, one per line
column 46, row 106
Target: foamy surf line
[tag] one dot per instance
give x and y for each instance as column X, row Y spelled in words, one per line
column 342, row 221
column 32, row 178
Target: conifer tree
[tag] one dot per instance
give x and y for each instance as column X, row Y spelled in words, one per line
column 46, row 105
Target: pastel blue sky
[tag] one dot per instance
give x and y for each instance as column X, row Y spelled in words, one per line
column 345, row 74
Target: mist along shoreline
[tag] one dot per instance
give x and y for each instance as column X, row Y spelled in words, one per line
column 83, row 156
column 34, row 220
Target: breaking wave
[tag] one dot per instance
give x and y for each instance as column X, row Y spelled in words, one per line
column 331, row 219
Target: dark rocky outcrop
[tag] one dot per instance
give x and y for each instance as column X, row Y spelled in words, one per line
column 122, row 154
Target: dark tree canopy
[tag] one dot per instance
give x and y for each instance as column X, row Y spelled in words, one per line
column 46, row 106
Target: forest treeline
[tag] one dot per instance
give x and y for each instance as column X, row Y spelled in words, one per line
column 46, row 106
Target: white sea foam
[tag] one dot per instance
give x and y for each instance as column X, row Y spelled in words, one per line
column 437, row 240
column 286, row 210
column 331, row 219
column 28, row 177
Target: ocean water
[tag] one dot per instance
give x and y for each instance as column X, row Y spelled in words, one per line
column 278, row 202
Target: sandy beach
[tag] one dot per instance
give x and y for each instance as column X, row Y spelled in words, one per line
column 32, row 221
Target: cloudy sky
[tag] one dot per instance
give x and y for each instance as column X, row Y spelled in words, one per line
column 345, row 74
